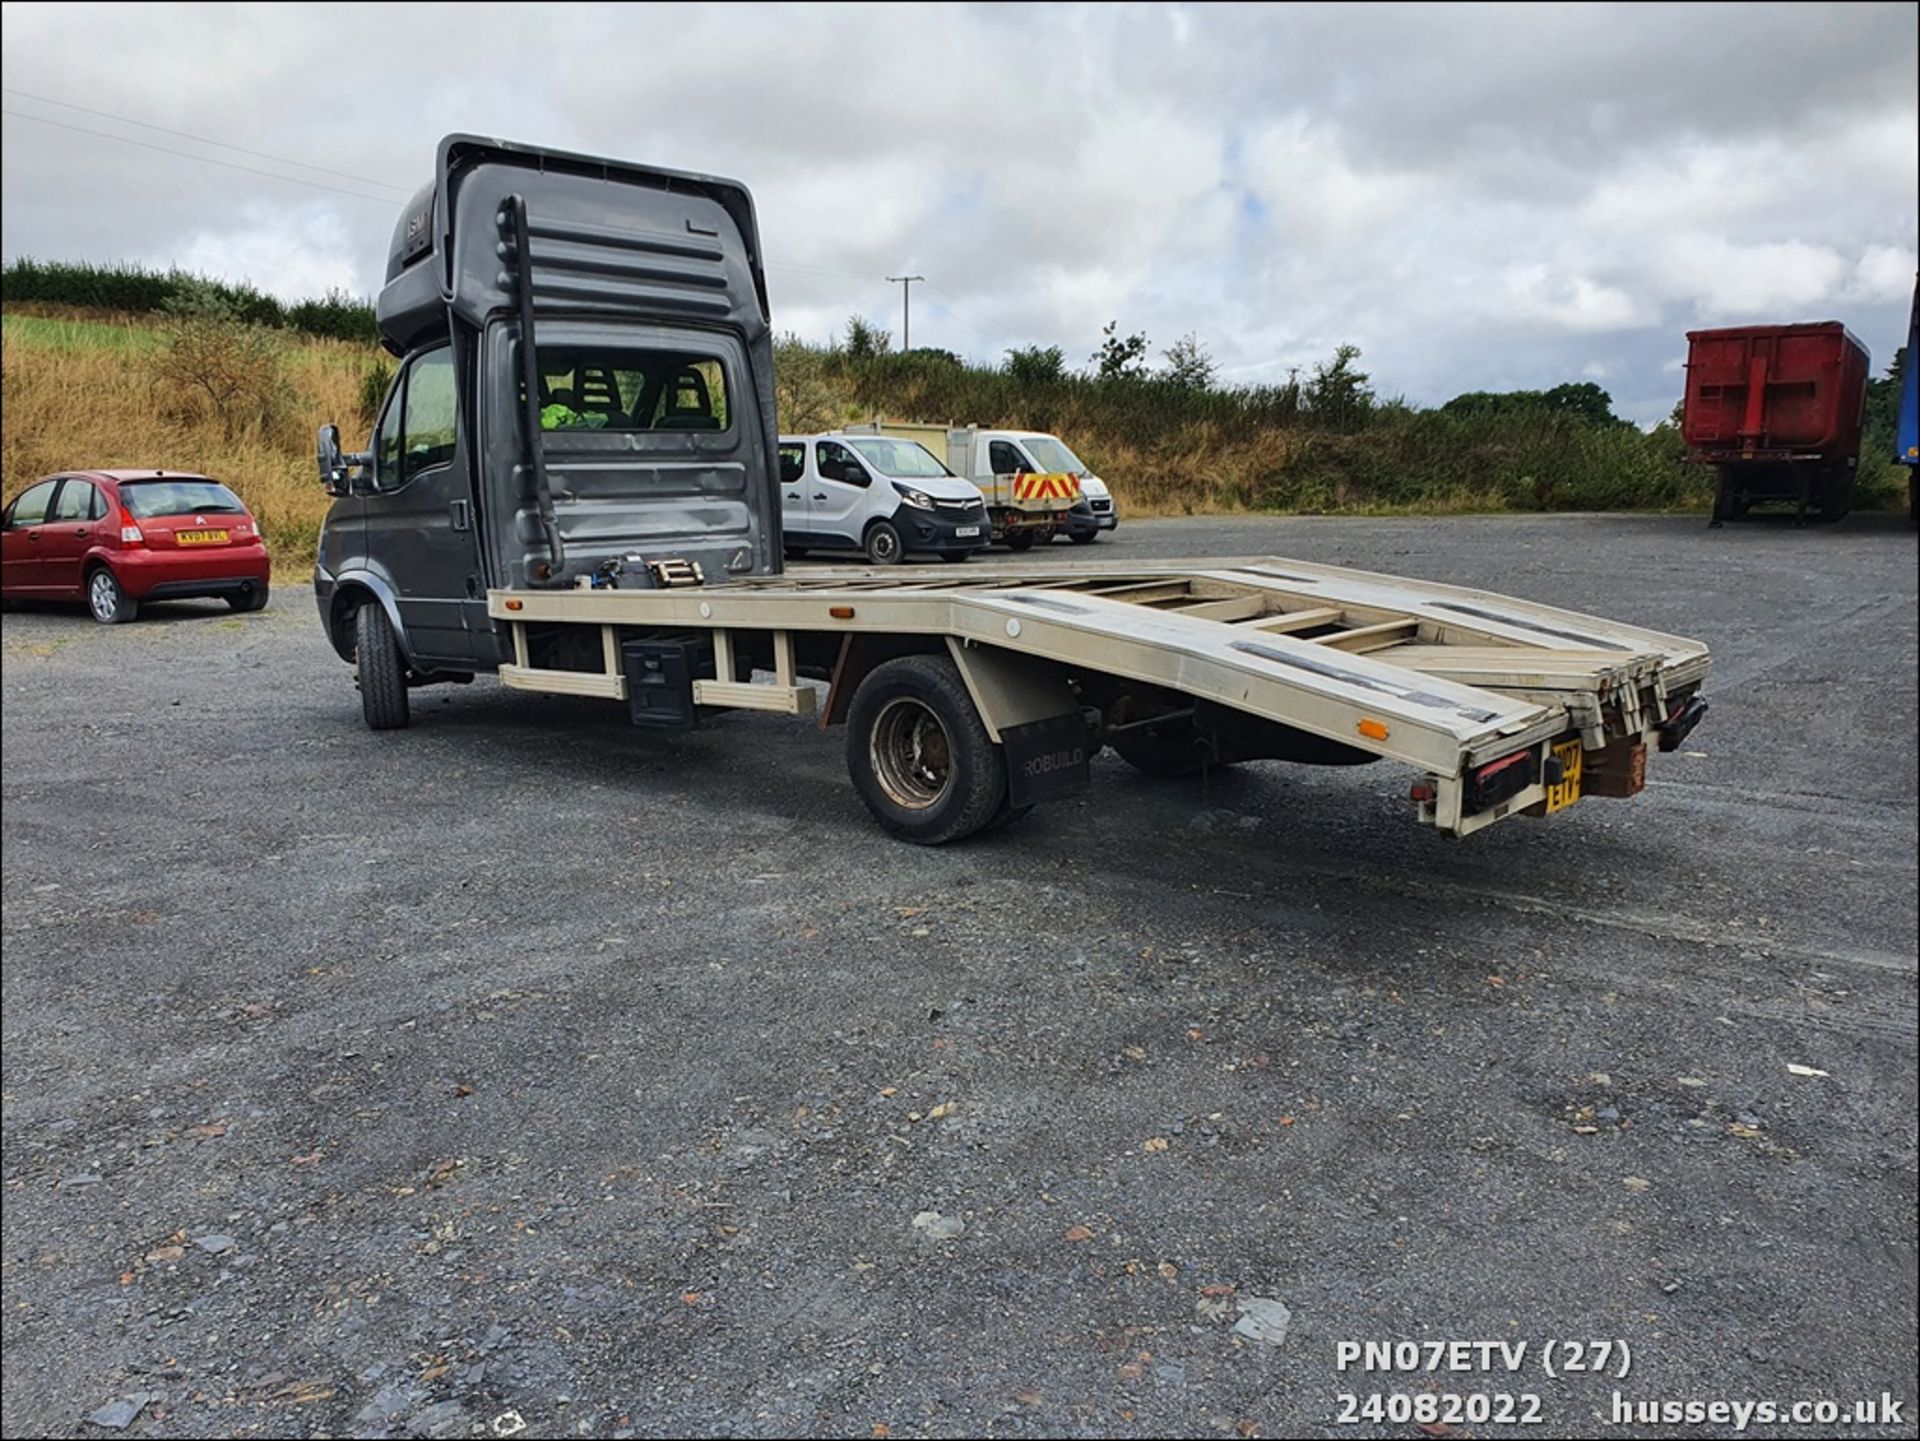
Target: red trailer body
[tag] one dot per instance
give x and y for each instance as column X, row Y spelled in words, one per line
column 1778, row 409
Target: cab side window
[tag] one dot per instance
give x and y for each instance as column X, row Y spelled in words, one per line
column 430, row 415
column 793, row 464
column 75, row 502
column 1006, row 459
column 836, row 462
column 31, row 507
column 417, row 431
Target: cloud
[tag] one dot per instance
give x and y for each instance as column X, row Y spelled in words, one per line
column 1479, row 197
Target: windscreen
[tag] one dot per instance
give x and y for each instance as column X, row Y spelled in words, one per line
column 899, row 459
column 148, row 498
column 1053, row 457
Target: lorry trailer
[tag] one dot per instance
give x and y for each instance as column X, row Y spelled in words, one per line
column 1777, row 411
column 638, row 558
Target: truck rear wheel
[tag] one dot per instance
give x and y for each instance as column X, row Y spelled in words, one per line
column 1019, row 540
column 920, row 755
column 382, row 672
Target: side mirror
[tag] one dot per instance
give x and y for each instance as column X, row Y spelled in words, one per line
column 336, row 469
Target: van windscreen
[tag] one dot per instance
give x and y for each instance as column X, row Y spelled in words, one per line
column 900, row 459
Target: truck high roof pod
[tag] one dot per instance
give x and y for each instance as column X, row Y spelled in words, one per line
column 451, row 220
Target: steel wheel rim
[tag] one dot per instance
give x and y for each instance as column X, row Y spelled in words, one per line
column 100, row 592
column 912, row 756
column 884, row 545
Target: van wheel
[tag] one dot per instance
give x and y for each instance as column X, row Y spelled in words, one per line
column 1020, row 540
column 254, row 597
column 1085, row 537
column 109, row 604
column 883, row 544
column 381, row 671
column 919, row 754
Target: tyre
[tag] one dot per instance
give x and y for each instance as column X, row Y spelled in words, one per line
column 883, row 544
column 1020, row 540
column 106, row 601
column 382, row 670
column 1836, row 496
column 1167, row 751
column 254, row 597
column 919, row 754
column 1085, row 537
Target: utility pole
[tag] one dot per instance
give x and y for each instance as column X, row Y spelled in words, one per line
column 905, row 282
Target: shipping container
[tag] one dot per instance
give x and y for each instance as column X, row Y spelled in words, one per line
column 1777, row 409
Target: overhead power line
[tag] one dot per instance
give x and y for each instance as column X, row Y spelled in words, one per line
column 202, row 140
column 203, row 159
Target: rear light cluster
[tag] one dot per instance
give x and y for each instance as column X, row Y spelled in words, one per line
column 1500, row 780
column 130, row 533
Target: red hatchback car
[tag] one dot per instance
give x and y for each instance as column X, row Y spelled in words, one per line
column 114, row 538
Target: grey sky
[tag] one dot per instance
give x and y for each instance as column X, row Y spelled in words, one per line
column 1481, row 197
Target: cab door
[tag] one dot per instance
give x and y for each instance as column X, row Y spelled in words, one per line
column 419, row 521
column 840, row 495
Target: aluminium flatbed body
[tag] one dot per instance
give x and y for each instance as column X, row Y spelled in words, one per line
column 1452, row 681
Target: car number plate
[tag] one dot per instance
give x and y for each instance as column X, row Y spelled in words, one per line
column 1571, row 755
column 966, row 532
column 200, row 537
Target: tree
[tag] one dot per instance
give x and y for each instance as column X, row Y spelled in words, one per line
column 1120, row 358
column 1188, row 364
column 1037, row 365
column 803, row 399
column 1338, row 394
column 215, row 363
column 866, row 340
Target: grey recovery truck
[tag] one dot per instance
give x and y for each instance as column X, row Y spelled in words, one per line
column 573, row 484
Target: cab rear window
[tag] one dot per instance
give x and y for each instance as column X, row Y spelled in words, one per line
column 148, row 498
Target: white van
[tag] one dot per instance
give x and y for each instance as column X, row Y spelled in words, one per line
column 992, row 459
column 880, row 494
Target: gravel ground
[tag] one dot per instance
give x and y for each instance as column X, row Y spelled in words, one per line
column 524, row 1063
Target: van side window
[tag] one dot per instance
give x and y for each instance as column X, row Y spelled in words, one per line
column 793, row 464
column 836, row 462
column 1006, row 459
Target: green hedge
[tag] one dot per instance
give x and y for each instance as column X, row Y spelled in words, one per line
column 134, row 288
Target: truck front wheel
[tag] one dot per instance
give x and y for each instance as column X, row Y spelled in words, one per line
column 381, row 670
column 920, row 755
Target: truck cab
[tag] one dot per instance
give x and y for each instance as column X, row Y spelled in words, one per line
column 880, row 495
column 584, row 390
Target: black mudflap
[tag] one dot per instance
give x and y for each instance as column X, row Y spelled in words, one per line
column 1046, row 759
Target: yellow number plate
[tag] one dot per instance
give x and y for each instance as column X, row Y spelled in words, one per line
column 200, row 537
column 1570, row 754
